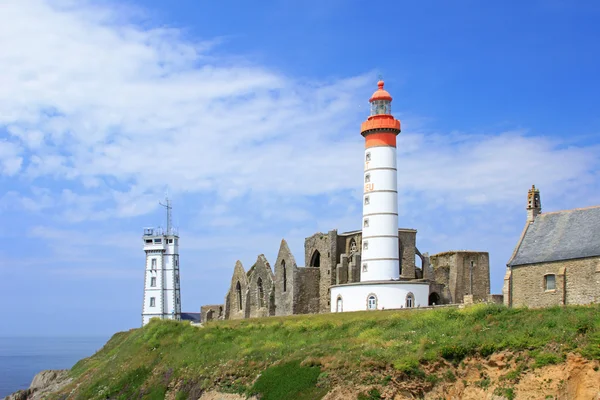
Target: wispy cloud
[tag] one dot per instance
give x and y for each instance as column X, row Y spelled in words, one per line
column 101, row 114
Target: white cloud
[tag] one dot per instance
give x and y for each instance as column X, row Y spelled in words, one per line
column 100, row 114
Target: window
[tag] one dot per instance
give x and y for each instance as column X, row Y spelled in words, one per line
column 153, row 281
column 367, row 178
column 315, row 260
column 368, row 157
column 238, row 289
column 366, row 223
column 170, row 241
column 149, row 241
column 366, row 245
column 550, row 282
column 157, row 240
column 365, row 267
column 152, row 301
column 366, row 200
column 353, row 248
column 176, row 242
column 177, row 262
column 261, row 293
column 284, row 275
column 372, row 302
column 410, row 300
column 154, row 263
column 339, row 304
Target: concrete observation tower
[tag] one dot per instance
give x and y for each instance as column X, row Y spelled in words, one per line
column 380, row 285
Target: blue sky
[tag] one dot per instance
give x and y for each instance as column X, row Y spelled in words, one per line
column 248, row 113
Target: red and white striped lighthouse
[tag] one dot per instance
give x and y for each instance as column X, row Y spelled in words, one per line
column 380, row 286
column 379, row 256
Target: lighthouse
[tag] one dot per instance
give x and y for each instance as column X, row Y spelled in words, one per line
column 380, row 286
column 380, row 259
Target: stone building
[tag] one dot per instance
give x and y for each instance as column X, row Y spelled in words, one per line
column 333, row 258
column 557, row 258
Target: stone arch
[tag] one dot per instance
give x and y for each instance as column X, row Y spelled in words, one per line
column 284, row 269
column 260, row 292
column 315, row 260
column 238, row 292
column 339, row 304
column 434, row 299
column 210, row 315
column 410, row 300
column 352, row 247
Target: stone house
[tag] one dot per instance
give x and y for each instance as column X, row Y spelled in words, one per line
column 333, row 258
column 557, row 258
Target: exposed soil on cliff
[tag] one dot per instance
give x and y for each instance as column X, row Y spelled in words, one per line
column 501, row 376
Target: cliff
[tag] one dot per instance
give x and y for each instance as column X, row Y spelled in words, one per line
column 479, row 352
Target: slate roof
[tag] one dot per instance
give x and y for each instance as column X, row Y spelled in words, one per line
column 561, row 235
column 190, row 316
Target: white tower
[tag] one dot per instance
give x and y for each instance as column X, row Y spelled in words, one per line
column 380, row 286
column 162, row 295
column 379, row 260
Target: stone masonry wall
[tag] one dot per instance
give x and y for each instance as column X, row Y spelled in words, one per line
column 577, row 282
column 232, row 309
column 326, row 246
column 408, row 242
column 260, row 304
column 306, row 290
column 284, row 299
column 453, row 269
column 211, row 312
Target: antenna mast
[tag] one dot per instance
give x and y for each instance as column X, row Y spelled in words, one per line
column 168, row 207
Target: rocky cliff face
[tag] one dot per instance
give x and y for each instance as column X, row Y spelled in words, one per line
column 44, row 383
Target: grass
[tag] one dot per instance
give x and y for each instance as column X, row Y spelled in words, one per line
column 305, row 354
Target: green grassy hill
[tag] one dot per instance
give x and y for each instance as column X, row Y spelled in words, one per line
column 302, row 357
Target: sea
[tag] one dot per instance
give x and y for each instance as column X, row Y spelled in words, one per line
column 21, row 358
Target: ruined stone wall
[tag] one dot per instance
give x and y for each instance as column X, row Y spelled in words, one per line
column 407, row 242
column 577, row 282
column 325, row 245
column 261, row 290
column 285, row 283
column 211, row 312
column 453, row 269
column 306, row 290
column 232, row 298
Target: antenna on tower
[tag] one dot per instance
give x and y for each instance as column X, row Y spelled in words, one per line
column 168, row 207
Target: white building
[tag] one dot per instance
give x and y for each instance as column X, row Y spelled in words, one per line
column 380, row 285
column 162, row 295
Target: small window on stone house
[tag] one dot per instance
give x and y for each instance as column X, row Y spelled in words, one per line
column 366, row 245
column 550, row 282
column 154, row 263
column 366, row 200
column 152, row 302
column 367, row 178
column 153, row 281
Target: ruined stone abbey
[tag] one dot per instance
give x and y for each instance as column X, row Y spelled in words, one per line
column 334, row 258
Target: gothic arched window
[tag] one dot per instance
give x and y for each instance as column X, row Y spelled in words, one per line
column 238, row 290
column 261, row 293
column 284, row 275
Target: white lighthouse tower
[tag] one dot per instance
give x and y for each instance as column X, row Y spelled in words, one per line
column 162, row 295
column 380, row 285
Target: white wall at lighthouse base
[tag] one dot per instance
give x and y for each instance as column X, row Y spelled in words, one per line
column 390, row 295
